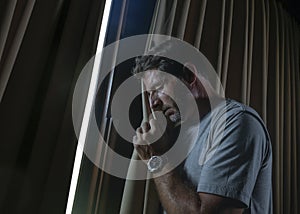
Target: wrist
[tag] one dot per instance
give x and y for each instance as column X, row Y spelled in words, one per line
column 157, row 163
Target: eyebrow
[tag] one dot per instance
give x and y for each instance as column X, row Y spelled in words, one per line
column 159, row 82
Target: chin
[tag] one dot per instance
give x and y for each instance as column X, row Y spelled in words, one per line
column 175, row 118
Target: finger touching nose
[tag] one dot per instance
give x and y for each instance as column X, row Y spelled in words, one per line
column 155, row 102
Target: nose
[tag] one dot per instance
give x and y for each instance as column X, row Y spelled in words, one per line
column 155, row 101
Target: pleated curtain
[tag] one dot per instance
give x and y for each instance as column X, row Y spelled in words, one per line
column 254, row 47
column 43, row 48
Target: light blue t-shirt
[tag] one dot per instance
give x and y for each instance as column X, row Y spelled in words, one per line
column 233, row 157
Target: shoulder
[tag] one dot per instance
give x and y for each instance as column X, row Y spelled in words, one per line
column 241, row 126
column 246, row 117
column 233, row 112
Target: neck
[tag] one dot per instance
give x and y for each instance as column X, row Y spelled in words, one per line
column 205, row 105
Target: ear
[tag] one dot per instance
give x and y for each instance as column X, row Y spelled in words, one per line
column 189, row 73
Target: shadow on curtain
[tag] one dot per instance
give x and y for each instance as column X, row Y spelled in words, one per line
column 43, row 47
column 254, row 47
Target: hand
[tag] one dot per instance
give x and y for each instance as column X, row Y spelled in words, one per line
column 153, row 139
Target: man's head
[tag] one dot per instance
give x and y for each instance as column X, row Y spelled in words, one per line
column 160, row 76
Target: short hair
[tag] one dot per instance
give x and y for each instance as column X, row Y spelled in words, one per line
column 152, row 62
column 155, row 59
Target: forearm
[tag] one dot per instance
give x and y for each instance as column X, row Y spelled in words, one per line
column 175, row 195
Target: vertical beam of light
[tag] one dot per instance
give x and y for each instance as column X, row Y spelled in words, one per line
column 88, row 107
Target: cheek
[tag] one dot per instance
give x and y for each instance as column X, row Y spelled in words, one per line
column 169, row 92
column 167, row 100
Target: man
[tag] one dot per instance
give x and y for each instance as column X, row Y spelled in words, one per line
column 229, row 167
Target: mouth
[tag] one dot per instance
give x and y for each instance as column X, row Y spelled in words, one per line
column 168, row 112
column 172, row 114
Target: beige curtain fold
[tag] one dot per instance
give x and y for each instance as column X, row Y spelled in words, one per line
column 250, row 54
column 134, row 192
column 6, row 20
column 254, row 47
column 43, row 47
column 224, row 71
column 200, row 25
column 221, row 40
column 246, row 56
column 276, row 139
column 294, row 123
column 10, row 49
column 296, row 33
column 265, row 38
column 282, row 141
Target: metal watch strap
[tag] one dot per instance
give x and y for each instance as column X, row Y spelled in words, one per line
column 156, row 163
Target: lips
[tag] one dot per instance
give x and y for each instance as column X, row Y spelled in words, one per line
column 172, row 114
column 168, row 112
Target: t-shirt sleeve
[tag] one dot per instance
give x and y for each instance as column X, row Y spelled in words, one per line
column 232, row 165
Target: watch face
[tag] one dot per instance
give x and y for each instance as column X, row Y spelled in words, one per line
column 154, row 164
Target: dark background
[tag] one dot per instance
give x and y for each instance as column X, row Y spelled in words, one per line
column 38, row 142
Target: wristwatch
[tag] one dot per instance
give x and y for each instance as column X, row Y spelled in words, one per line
column 155, row 164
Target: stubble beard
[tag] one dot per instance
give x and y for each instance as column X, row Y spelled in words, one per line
column 175, row 118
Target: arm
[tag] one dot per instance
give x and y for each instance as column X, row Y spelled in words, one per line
column 178, row 197
column 175, row 194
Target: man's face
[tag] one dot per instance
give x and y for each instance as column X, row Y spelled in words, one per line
column 161, row 88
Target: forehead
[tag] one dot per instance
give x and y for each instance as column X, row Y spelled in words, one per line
column 152, row 74
column 153, row 77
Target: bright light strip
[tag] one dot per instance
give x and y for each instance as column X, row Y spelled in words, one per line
column 88, row 107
